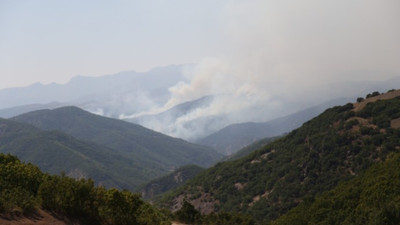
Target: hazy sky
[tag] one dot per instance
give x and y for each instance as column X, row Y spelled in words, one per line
column 48, row 40
column 283, row 41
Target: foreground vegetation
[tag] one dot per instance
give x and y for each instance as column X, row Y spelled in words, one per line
column 24, row 188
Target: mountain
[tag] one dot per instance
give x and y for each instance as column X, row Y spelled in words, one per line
column 173, row 122
column 112, row 95
column 18, row 110
column 236, row 136
column 177, row 111
column 371, row 198
column 200, row 122
column 168, row 182
column 251, row 148
column 135, row 95
column 154, row 153
column 338, row 145
column 55, row 152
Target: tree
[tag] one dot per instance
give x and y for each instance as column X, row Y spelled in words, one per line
column 187, row 214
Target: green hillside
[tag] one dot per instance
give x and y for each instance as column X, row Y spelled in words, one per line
column 252, row 148
column 56, row 152
column 168, row 182
column 371, row 198
column 336, row 146
column 25, row 189
column 153, row 153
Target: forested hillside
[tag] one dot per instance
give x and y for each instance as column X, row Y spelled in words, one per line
column 168, row 182
column 55, row 152
column 251, row 148
column 234, row 137
column 371, row 198
column 152, row 154
column 336, row 146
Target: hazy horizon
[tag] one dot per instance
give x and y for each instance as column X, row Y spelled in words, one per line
column 282, row 42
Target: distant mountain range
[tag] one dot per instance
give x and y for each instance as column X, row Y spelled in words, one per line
column 111, row 95
column 141, row 97
column 147, row 153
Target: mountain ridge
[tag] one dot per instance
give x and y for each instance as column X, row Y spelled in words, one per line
column 56, row 152
column 333, row 147
column 236, row 136
column 152, row 151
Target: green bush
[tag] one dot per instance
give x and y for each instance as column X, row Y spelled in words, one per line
column 24, row 187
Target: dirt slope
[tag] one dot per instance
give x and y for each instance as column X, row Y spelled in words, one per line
column 39, row 218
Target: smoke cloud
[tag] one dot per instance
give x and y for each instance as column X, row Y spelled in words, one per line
column 282, row 56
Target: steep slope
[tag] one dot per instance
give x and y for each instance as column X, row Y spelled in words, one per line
column 168, row 182
column 371, row 198
column 154, row 152
column 251, row 148
column 335, row 146
column 236, row 136
column 56, row 152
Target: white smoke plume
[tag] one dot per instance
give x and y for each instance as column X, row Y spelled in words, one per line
column 280, row 57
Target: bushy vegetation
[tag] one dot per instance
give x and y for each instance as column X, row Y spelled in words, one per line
column 23, row 187
column 157, row 187
column 372, row 198
column 251, row 148
column 188, row 214
column 373, row 94
column 331, row 148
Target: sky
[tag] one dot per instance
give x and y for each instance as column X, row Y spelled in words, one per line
column 52, row 41
column 283, row 42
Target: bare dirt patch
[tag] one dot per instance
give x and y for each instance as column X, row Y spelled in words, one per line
column 360, row 105
column 39, row 218
column 395, row 123
column 240, row 186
